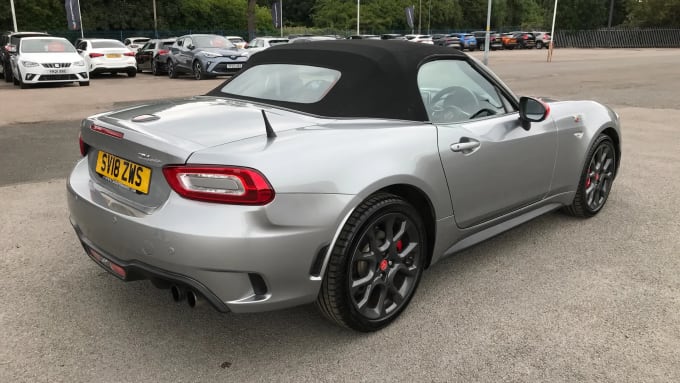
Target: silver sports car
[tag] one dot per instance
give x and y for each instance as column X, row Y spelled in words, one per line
column 332, row 172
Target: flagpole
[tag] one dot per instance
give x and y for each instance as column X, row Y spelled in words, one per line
column 281, row 15
column 487, row 33
column 155, row 20
column 14, row 16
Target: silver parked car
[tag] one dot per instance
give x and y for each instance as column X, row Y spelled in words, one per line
column 286, row 185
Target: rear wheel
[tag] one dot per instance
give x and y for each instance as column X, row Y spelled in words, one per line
column 481, row 46
column 84, row 83
column 7, row 72
column 539, row 44
column 132, row 72
column 172, row 72
column 375, row 265
column 198, row 71
column 154, row 68
column 596, row 179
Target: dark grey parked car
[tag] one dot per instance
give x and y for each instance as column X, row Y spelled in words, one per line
column 205, row 56
column 332, row 172
column 153, row 56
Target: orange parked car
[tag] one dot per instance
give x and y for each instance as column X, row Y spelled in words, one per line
column 508, row 41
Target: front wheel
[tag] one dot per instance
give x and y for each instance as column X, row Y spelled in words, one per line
column 375, row 265
column 198, row 71
column 154, row 68
column 7, row 72
column 132, row 72
column 596, row 179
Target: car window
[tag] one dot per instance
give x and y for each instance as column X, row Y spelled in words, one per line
column 167, row 44
column 188, row 42
column 46, row 46
column 107, row 44
column 212, row 42
column 277, row 42
column 284, row 82
column 453, row 91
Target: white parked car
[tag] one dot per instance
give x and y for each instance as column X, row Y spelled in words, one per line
column 46, row 59
column 107, row 56
column 425, row 39
column 135, row 43
column 238, row 41
column 261, row 43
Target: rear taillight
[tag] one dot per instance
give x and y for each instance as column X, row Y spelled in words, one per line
column 107, row 131
column 163, row 52
column 95, row 54
column 83, row 146
column 131, row 54
column 221, row 184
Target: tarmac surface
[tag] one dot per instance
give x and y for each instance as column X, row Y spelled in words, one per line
column 556, row 299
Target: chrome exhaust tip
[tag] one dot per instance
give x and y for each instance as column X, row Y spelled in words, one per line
column 193, row 298
column 178, row 293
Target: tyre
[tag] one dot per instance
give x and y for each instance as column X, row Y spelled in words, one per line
column 139, row 70
column 132, row 72
column 539, row 44
column 198, row 71
column 375, row 265
column 7, row 72
column 154, row 68
column 596, row 179
column 172, row 72
column 15, row 80
column 84, row 83
column 481, row 46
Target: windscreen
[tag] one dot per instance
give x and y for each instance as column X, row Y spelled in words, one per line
column 107, row 44
column 211, row 42
column 46, row 45
column 284, row 82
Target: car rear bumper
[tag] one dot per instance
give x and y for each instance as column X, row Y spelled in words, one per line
column 225, row 252
column 101, row 66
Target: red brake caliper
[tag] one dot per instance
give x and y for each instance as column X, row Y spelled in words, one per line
column 588, row 179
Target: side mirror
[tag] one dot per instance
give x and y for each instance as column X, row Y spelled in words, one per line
column 190, row 47
column 532, row 110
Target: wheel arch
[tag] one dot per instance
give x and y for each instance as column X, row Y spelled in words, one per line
column 419, row 199
column 614, row 135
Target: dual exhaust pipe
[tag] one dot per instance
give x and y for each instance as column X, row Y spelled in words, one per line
column 180, row 293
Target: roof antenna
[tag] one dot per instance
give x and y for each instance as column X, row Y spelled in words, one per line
column 268, row 126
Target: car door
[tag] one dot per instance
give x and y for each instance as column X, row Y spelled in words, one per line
column 186, row 54
column 492, row 164
column 145, row 55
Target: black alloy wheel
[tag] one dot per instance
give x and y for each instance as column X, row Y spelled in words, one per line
column 596, row 179
column 376, row 264
column 154, row 68
column 7, row 72
column 198, row 71
column 132, row 72
column 172, row 72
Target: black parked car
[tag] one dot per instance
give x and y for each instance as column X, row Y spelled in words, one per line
column 153, row 56
column 494, row 38
column 205, row 56
column 8, row 45
column 525, row 40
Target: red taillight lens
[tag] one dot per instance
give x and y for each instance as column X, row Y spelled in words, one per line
column 83, row 146
column 131, row 54
column 95, row 54
column 107, row 131
column 221, row 184
column 163, row 52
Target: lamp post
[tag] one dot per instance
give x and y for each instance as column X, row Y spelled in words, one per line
column 358, row 6
column 14, row 16
column 155, row 20
column 488, row 32
column 552, row 34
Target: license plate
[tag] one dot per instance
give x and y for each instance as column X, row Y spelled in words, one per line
column 234, row 66
column 113, row 55
column 56, row 71
column 124, row 172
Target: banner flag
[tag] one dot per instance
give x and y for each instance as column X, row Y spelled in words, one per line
column 73, row 14
column 409, row 16
column 276, row 14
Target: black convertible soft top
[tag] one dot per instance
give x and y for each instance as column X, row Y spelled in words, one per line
column 378, row 78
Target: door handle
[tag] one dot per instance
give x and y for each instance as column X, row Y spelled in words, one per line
column 465, row 147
